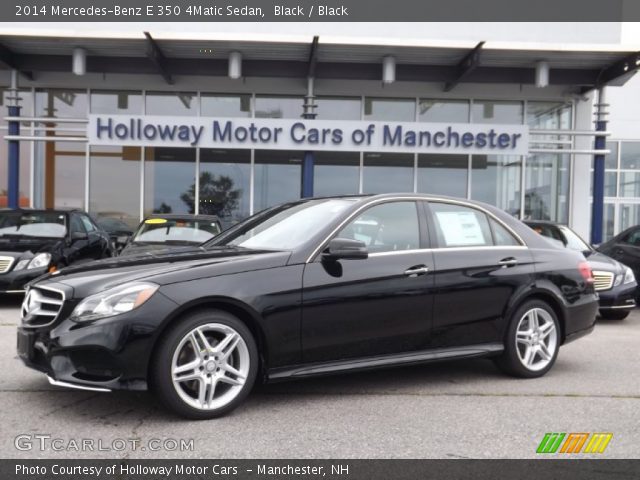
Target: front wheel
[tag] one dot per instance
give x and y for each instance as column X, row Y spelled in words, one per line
column 206, row 365
column 532, row 341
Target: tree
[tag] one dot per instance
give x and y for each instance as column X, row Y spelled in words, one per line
column 217, row 196
column 163, row 208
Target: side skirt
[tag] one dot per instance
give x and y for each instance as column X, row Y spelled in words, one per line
column 356, row 364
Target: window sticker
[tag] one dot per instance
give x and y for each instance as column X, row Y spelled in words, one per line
column 460, row 228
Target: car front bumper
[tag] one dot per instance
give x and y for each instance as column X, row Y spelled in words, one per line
column 14, row 281
column 108, row 354
column 622, row 297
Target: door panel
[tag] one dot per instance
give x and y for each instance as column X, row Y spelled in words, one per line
column 479, row 265
column 354, row 308
column 472, row 291
column 374, row 306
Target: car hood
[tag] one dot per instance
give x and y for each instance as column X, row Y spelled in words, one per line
column 163, row 268
column 25, row 244
column 600, row 261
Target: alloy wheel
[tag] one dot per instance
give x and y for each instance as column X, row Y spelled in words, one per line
column 210, row 366
column 536, row 339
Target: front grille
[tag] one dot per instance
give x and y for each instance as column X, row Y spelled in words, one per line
column 5, row 264
column 41, row 306
column 603, row 280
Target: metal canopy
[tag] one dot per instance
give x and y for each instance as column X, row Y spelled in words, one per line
column 579, row 68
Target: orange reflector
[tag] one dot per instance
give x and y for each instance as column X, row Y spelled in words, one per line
column 52, row 269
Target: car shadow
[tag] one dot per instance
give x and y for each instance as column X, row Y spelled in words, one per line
column 124, row 408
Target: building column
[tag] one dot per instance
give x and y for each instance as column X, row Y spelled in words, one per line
column 308, row 163
column 597, row 206
column 580, row 181
column 13, row 188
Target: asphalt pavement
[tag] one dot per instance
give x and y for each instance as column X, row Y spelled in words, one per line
column 462, row 409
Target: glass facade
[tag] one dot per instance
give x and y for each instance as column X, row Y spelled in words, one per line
column 235, row 183
column 621, row 188
column 110, row 167
column 169, row 180
column 224, row 184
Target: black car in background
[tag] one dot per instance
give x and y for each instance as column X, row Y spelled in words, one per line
column 312, row 287
column 34, row 242
column 615, row 283
column 171, row 231
column 119, row 231
column 625, row 247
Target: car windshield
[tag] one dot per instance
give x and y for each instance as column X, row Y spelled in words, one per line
column 182, row 231
column 33, row 224
column 574, row 242
column 284, row 227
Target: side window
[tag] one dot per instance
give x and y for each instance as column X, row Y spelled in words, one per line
column 502, row 236
column 460, row 226
column 385, row 228
column 87, row 223
column 633, row 238
column 76, row 225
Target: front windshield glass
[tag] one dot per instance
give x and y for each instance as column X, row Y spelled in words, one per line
column 33, row 224
column 284, row 227
column 574, row 242
column 181, row 231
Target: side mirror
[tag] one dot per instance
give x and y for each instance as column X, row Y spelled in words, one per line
column 345, row 249
column 79, row 236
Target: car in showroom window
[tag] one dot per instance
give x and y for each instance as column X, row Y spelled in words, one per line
column 615, row 283
column 34, row 242
column 311, row 287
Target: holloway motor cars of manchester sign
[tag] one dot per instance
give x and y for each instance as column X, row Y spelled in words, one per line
column 294, row 134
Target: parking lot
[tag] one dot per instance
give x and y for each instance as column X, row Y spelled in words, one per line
column 464, row 409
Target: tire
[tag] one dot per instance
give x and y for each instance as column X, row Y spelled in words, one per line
column 230, row 369
column 614, row 315
column 531, row 355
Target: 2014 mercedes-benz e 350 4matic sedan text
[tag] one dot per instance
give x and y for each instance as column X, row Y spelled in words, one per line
column 311, row 287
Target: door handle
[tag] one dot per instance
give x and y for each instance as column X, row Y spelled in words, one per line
column 508, row 262
column 417, row 270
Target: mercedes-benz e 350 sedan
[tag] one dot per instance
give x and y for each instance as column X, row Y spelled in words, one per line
column 311, row 287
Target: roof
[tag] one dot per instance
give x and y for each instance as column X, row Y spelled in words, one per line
column 497, row 63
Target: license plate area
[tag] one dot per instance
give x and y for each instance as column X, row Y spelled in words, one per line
column 25, row 345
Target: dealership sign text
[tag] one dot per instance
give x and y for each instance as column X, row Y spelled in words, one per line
column 294, row 134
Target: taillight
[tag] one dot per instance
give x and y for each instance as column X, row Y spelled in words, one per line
column 585, row 271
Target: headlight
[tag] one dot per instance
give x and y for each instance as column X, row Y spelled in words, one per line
column 113, row 301
column 628, row 276
column 39, row 261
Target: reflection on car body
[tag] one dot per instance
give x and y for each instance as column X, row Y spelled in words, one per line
column 293, row 291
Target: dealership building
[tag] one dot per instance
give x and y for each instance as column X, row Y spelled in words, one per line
column 127, row 120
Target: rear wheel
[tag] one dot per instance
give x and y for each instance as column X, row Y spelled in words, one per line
column 532, row 341
column 206, row 365
column 614, row 314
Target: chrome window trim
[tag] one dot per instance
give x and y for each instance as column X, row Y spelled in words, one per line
column 414, row 198
column 52, row 289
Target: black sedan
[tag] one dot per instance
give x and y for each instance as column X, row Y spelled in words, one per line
column 625, row 247
column 312, row 287
column 615, row 283
column 170, row 231
column 34, row 242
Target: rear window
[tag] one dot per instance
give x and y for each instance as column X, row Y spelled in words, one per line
column 460, row 226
